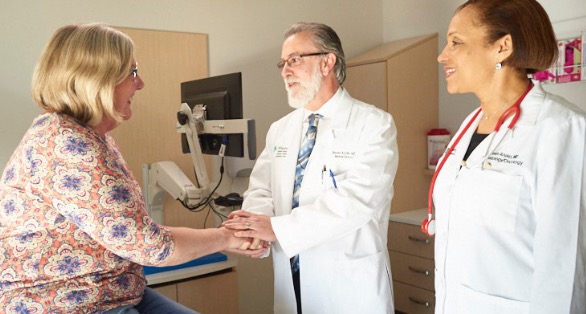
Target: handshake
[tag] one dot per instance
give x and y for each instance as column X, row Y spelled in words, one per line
column 250, row 234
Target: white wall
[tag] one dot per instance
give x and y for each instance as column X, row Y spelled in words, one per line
column 416, row 17
column 244, row 36
column 568, row 18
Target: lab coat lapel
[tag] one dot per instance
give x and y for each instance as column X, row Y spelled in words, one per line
column 478, row 153
column 285, row 169
column 529, row 113
column 331, row 127
column 341, row 112
column 530, row 107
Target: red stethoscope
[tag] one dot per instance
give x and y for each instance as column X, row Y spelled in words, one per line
column 428, row 225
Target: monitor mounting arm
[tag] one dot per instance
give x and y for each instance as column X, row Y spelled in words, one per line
column 166, row 176
column 191, row 122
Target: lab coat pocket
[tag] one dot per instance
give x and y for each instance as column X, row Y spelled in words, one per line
column 366, row 278
column 472, row 301
column 490, row 197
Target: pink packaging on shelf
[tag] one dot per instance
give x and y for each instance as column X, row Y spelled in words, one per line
column 570, row 60
column 437, row 141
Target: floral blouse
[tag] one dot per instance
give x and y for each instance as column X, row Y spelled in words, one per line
column 73, row 228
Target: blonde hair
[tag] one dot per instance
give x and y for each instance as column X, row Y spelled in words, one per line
column 79, row 70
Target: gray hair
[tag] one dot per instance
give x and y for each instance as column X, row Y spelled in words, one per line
column 326, row 39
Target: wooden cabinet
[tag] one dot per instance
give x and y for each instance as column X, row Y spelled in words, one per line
column 211, row 294
column 215, row 293
column 412, row 263
column 208, row 288
column 401, row 77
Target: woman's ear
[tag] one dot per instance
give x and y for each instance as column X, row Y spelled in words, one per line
column 505, row 45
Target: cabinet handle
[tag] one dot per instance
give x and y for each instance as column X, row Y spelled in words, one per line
column 420, row 302
column 416, row 239
column 420, row 271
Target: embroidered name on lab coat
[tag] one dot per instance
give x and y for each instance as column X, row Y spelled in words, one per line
column 343, row 154
column 280, row 151
column 505, row 158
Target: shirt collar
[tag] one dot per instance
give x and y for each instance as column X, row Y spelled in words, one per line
column 327, row 110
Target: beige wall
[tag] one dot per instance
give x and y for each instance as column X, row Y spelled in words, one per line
column 244, row 36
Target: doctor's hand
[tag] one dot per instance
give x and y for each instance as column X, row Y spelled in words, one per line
column 250, row 225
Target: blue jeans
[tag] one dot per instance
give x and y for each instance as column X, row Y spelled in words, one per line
column 153, row 302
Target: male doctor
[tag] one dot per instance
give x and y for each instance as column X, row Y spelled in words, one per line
column 321, row 190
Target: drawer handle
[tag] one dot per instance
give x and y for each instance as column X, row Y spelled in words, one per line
column 420, row 271
column 422, row 240
column 420, row 302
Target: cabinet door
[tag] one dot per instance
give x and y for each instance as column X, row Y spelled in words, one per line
column 410, row 240
column 413, row 101
column 412, row 270
column 165, row 59
column 368, row 83
column 409, row 299
column 170, row 291
column 217, row 293
column 401, row 77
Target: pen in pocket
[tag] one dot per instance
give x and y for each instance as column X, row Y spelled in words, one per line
column 333, row 179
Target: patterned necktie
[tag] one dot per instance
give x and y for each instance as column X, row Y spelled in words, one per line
column 302, row 158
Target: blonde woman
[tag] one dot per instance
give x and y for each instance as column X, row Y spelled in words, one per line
column 73, row 228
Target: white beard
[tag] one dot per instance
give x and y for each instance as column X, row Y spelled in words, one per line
column 307, row 90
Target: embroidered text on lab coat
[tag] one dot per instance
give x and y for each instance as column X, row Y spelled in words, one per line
column 343, row 154
column 280, row 151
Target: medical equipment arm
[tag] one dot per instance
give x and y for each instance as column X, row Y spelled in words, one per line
column 191, row 123
column 166, row 176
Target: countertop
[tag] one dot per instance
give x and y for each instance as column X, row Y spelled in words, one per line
column 189, row 272
column 412, row 217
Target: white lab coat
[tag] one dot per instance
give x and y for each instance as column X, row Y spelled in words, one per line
column 511, row 238
column 339, row 233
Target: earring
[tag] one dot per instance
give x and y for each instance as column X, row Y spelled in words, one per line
column 499, row 66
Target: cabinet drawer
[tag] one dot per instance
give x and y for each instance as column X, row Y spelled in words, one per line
column 409, row 299
column 170, row 290
column 413, row 270
column 409, row 239
column 210, row 294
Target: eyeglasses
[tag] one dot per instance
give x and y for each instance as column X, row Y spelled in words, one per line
column 134, row 71
column 295, row 60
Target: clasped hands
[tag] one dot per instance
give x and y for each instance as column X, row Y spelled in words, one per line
column 254, row 227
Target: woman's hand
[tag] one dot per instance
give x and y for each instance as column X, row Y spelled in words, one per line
column 243, row 245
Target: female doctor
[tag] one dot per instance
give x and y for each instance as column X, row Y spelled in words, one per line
column 510, row 195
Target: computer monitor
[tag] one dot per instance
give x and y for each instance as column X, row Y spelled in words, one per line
column 222, row 98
